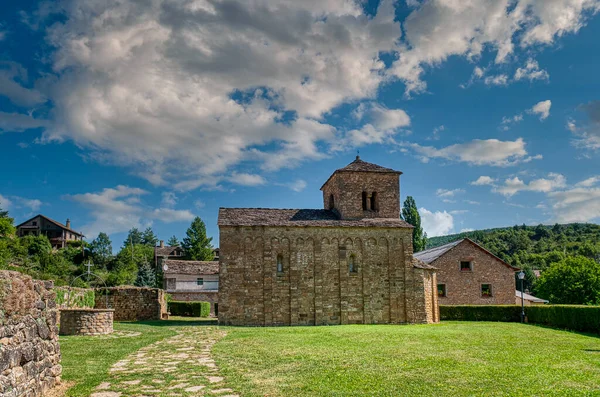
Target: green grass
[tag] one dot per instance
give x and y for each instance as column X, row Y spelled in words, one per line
column 449, row 359
column 86, row 360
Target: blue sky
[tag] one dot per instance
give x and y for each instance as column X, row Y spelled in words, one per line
column 122, row 114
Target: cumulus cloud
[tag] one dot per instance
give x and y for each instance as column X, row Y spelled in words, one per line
column 589, row 181
column 246, row 179
column 587, row 136
column 17, row 122
column 542, row 109
column 436, row 223
column 448, row 193
column 12, row 79
column 21, row 203
column 298, row 185
column 576, row 205
column 5, row 203
column 492, row 152
column 483, row 180
column 125, row 210
column 500, row 79
column 531, row 71
column 440, row 29
column 514, row 185
column 169, row 199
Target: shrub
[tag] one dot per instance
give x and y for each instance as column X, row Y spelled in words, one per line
column 506, row 313
column 572, row 317
column 189, row 309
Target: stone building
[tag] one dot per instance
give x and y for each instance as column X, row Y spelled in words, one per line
column 468, row 274
column 192, row 281
column 57, row 233
column 349, row 263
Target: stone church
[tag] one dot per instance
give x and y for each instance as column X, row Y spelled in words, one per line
column 349, row 263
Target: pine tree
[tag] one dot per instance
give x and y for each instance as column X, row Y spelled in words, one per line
column 133, row 237
column 146, row 277
column 149, row 238
column 411, row 215
column 173, row 242
column 101, row 249
column 6, row 224
column 196, row 244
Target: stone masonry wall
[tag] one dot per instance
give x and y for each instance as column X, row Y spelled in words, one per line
column 86, row 321
column 347, row 188
column 132, row 303
column 316, row 286
column 464, row 287
column 29, row 349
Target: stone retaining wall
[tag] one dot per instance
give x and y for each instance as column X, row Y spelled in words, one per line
column 132, row 303
column 29, row 349
column 86, row 321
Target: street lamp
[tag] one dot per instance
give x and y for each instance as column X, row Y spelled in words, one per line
column 521, row 277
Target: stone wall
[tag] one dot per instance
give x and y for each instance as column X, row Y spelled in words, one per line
column 29, row 349
column 464, row 287
column 132, row 303
column 207, row 296
column 316, row 286
column 86, row 321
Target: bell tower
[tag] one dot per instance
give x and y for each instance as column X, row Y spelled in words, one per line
column 363, row 190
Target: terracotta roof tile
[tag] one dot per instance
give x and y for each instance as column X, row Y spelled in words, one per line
column 191, row 267
column 298, row 218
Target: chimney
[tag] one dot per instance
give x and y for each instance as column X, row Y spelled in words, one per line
column 68, row 223
column 162, row 243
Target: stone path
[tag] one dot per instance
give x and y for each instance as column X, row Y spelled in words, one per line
column 178, row 366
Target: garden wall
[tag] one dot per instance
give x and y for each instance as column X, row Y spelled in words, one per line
column 572, row 317
column 29, row 349
column 132, row 303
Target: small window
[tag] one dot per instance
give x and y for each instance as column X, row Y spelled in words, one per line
column 331, row 202
column 441, row 290
column 466, row 266
column 352, row 264
column 364, row 201
column 279, row 263
column 374, row 203
column 34, row 223
column 199, row 281
column 486, row 290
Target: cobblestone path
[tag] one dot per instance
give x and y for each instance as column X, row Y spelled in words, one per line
column 178, row 366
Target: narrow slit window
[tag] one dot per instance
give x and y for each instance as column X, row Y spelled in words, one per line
column 486, row 290
column 331, row 202
column 374, row 203
column 352, row 264
column 279, row 263
column 364, row 201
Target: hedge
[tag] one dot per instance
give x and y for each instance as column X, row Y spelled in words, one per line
column 572, row 317
column 189, row 309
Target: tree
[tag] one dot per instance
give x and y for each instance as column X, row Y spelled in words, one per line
column 574, row 280
column 127, row 263
column 146, row 276
column 6, row 224
column 3, row 213
column 149, row 238
column 173, row 242
column 101, row 250
column 196, row 244
column 411, row 215
column 133, row 237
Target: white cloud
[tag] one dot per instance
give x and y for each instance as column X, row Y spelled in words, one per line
column 245, row 179
column 478, row 152
column 16, row 202
column 12, row 78
column 459, row 212
column 500, row 79
column 483, row 180
column 531, row 71
column 576, row 205
column 587, row 137
column 5, row 203
column 448, row 193
column 119, row 209
column 514, row 185
column 542, row 109
column 589, row 181
column 472, row 202
column 466, row 230
column 199, row 204
column 440, row 29
column 169, row 199
column 298, row 185
column 388, row 119
column 436, row 223
column 17, row 122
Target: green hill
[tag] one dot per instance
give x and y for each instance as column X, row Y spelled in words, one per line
column 533, row 247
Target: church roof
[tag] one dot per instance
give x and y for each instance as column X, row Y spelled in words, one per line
column 298, row 218
column 359, row 165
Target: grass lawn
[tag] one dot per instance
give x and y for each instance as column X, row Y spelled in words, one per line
column 86, row 360
column 448, row 359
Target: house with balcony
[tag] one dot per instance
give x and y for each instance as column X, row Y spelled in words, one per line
column 57, row 233
column 192, row 281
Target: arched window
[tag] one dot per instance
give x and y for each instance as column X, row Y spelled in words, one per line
column 352, row 264
column 364, row 201
column 331, row 202
column 374, row 203
column 279, row 263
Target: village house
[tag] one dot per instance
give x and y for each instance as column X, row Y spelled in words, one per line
column 192, row 281
column 349, row 263
column 163, row 252
column 528, row 299
column 468, row 274
column 57, row 233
